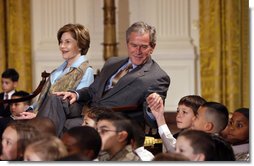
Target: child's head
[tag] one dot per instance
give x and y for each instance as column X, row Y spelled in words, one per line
column 115, row 131
column 187, row 109
column 48, row 148
column 238, row 127
column 172, row 156
column 212, row 117
column 17, row 108
column 16, row 136
column 196, row 145
column 91, row 114
column 44, row 124
column 9, row 80
column 224, row 150
column 83, row 140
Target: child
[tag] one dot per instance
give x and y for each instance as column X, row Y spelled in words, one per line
column 186, row 111
column 116, row 135
column 9, row 82
column 212, row 117
column 172, row 156
column 15, row 138
column 199, row 145
column 82, row 141
column 15, row 109
column 91, row 114
column 237, row 133
column 48, row 148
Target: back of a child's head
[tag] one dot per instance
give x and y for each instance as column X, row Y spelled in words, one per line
column 192, row 101
column 21, row 94
column 48, row 148
column 224, row 150
column 94, row 112
column 201, row 142
column 11, row 74
column 218, row 114
column 44, row 124
column 87, row 138
column 170, row 157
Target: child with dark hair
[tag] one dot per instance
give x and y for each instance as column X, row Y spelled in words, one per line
column 224, row 151
column 212, row 117
column 196, row 145
column 186, row 111
column 83, row 142
column 9, row 82
column 116, row 135
column 199, row 145
column 237, row 133
column 90, row 115
column 15, row 109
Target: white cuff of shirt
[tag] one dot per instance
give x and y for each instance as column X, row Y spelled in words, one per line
column 164, row 129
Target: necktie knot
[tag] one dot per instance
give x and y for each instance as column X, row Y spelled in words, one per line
column 121, row 73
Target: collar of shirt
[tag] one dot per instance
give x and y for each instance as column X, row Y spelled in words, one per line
column 61, row 69
column 133, row 65
column 9, row 94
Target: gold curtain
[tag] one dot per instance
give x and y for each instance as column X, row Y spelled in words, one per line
column 15, row 40
column 224, row 52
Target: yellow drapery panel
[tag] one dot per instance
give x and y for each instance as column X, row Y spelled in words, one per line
column 2, row 37
column 16, row 40
column 224, row 52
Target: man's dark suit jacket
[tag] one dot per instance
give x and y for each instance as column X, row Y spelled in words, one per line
column 132, row 89
column 4, row 112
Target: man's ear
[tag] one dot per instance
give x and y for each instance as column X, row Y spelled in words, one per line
column 199, row 157
column 122, row 136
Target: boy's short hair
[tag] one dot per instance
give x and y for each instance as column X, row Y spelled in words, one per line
column 94, row 112
column 121, row 123
column 11, row 74
column 201, row 142
column 21, row 94
column 87, row 138
column 218, row 114
column 192, row 101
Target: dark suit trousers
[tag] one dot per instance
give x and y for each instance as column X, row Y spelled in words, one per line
column 58, row 110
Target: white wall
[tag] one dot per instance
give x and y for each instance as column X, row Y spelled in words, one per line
column 176, row 22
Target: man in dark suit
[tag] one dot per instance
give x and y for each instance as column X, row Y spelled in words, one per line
column 146, row 78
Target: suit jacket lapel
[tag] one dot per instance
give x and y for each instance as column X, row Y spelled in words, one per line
column 110, row 71
column 129, row 78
